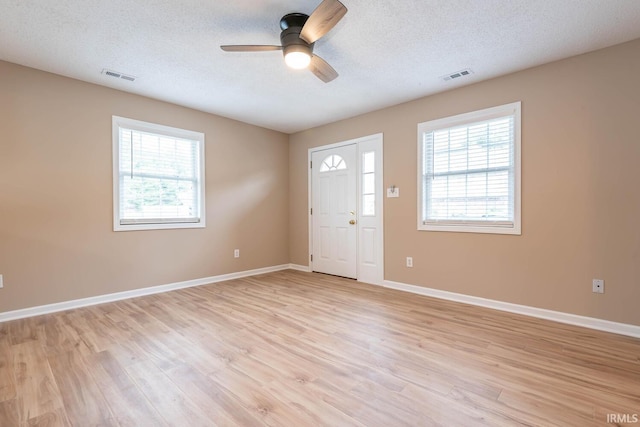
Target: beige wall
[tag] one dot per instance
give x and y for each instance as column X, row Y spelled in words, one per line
column 56, row 229
column 580, row 202
column 580, row 196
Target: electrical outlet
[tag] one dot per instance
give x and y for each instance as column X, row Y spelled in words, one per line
column 1, row 281
column 236, row 253
column 598, row 286
column 409, row 261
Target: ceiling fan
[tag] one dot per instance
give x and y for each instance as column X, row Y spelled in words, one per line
column 299, row 33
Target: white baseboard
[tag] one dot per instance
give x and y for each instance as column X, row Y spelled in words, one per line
column 572, row 319
column 101, row 299
column 298, row 267
column 557, row 316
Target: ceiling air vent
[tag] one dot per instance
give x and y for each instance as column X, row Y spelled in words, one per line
column 117, row 75
column 457, row 74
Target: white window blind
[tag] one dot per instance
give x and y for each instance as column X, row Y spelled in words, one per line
column 470, row 171
column 159, row 176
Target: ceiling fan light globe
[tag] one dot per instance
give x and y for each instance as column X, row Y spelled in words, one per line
column 297, row 60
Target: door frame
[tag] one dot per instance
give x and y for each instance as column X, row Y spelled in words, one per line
column 359, row 142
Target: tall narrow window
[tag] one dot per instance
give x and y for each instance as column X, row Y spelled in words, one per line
column 369, row 183
column 158, row 176
column 470, row 172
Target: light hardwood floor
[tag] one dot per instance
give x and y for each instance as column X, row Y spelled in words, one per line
column 302, row 349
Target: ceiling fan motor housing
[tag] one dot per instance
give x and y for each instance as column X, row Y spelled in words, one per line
column 291, row 25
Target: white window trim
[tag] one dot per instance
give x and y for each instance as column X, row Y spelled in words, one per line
column 461, row 119
column 117, row 123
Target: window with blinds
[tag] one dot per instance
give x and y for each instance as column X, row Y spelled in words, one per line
column 469, row 172
column 158, row 176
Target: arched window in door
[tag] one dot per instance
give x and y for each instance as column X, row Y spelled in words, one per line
column 333, row 163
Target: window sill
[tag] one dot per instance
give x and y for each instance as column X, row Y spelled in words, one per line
column 515, row 230
column 167, row 226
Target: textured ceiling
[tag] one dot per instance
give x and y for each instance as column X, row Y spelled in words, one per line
column 386, row 52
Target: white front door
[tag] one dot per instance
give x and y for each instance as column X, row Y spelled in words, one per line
column 334, row 211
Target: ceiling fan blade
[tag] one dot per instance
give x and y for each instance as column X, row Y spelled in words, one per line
column 322, row 20
column 249, row 48
column 322, row 69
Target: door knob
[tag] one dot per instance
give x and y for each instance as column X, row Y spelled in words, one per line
column 353, row 221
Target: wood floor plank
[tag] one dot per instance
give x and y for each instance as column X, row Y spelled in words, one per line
column 440, row 409
column 257, row 400
column 169, row 401
column 82, row 397
column 130, row 407
column 295, row 349
column 9, row 413
column 565, row 411
column 57, row 418
column 310, row 403
column 36, row 389
column 7, row 378
column 29, row 329
column 356, row 407
column 218, row 405
column 62, row 336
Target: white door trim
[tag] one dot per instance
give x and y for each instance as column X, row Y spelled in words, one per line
column 379, row 199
